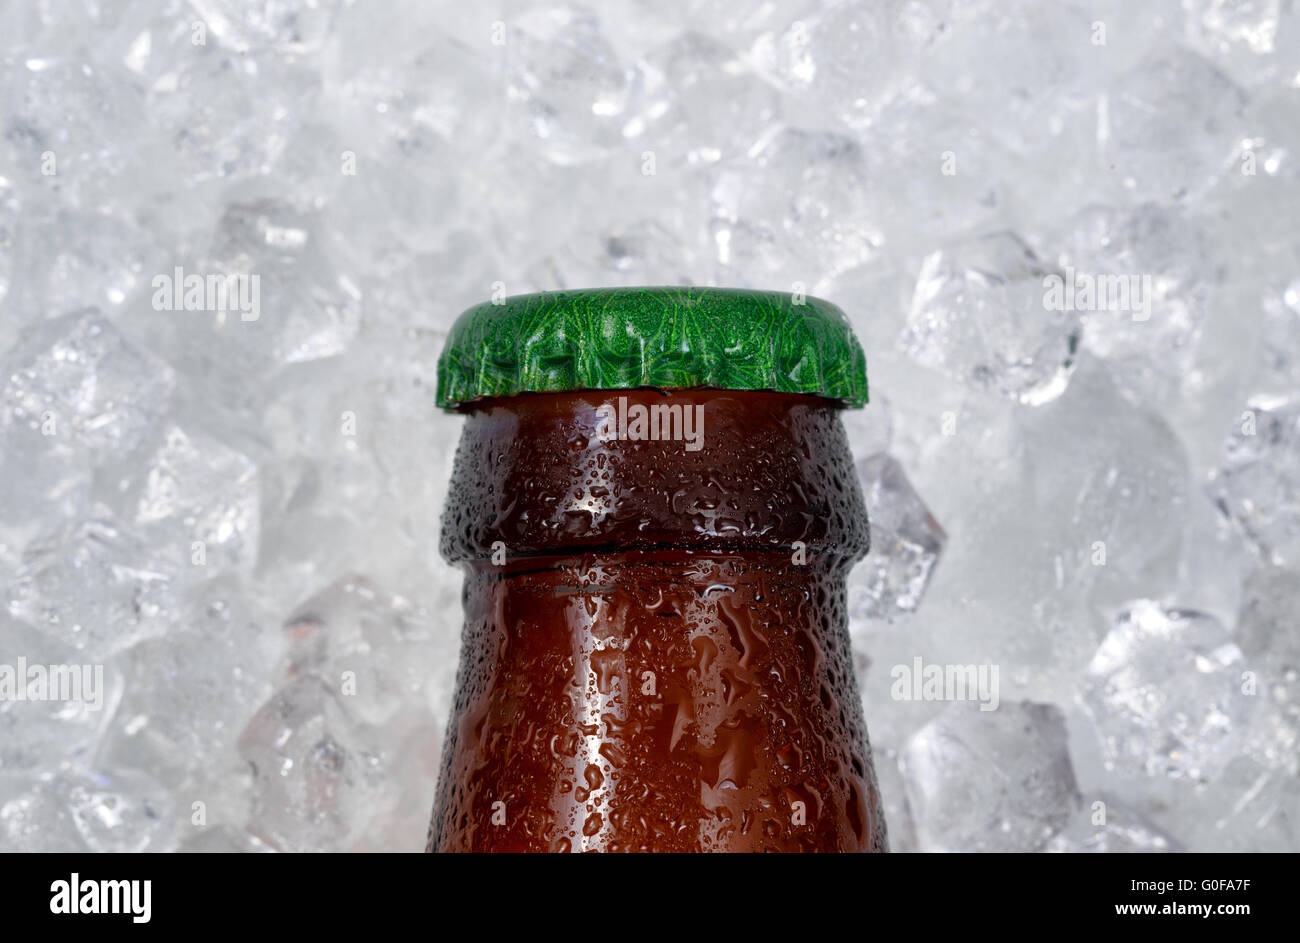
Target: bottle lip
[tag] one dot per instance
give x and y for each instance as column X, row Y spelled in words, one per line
column 665, row 337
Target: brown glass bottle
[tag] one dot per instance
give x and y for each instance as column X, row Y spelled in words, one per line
column 655, row 654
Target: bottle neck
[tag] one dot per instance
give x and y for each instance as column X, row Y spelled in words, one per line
column 611, row 471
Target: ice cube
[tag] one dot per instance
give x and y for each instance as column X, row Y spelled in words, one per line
column 1281, row 337
column 570, row 87
column 188, row 489
column 71, row 121
column 1248, row 807
column 1266, row 633
column 981, row 313
column 96, row 585
column 76, row 384
column 122, row 811
column 290, row 28
column 906, row 543
column 224, row 115
column 936, row 174
column 1225, row 22
column 76, row 810
column 1012, row 588
column 1113, row 508
column 990, row 780
column 356, row 731
column 1256, row 42
column 1169, row 125
column 841, row 61
column 442, row 106
column 1025, row 69
column 701, row 103
column 35, row 818
column 1266, row 623
column 73, row 391
column 59, row 704
column 192, row 692
column 1214, row 562
column 1165, row 692
column 375, row 649
column 1107, row 826
column 67, row 259
column 1258, row 484
column 306, row 307
column 1143, row 282
column 316, row 784
column 794, row 208
column 893, row 800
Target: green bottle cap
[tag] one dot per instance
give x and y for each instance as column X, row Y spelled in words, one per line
column 668, row 338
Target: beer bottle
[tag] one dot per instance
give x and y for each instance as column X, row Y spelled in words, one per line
column 655, row 508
